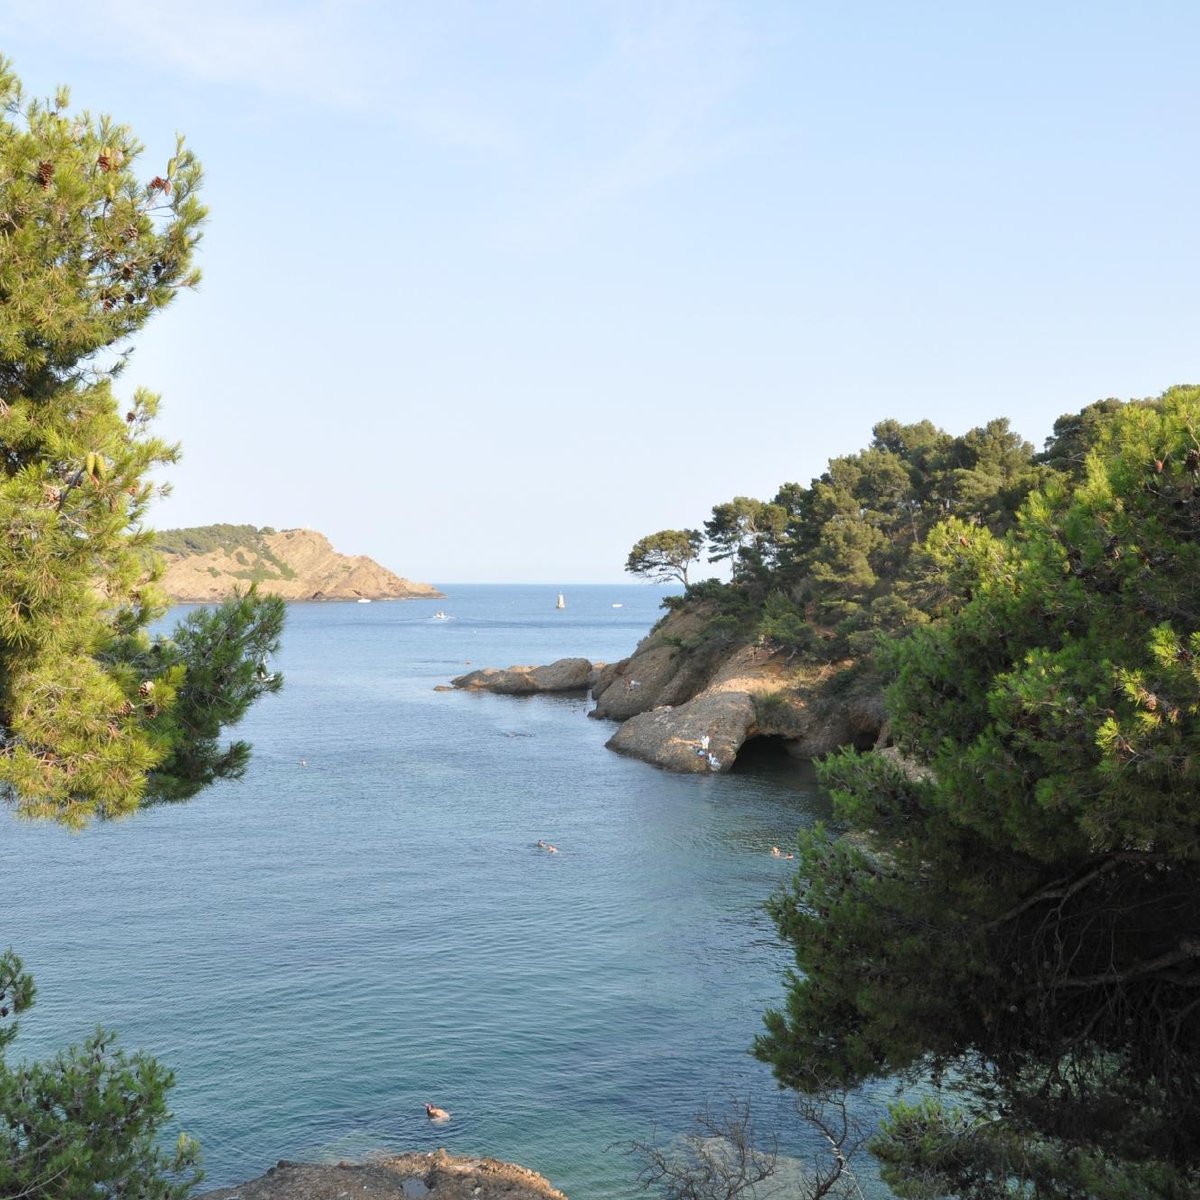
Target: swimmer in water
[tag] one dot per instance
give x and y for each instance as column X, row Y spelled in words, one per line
column 436, row 1114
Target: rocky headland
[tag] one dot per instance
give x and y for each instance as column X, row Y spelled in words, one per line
column 435, row 1176
column 207, row 563
column 678, row 688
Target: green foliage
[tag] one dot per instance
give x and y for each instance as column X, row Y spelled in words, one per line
column 16, row 995
column 86, row 1122
column 93, row 247
column 855, row 539
column 748, row 533
column 695, row 593
column 844, row 555
column 1018, row 900
column 783, row 623
column 665, row 555
column 204, row 539
column 224, row 653
column 235, row 541
column 930, row 1152
column 1076, row 435
column 772, row 708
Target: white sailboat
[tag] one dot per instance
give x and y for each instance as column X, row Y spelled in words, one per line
column 561, row 601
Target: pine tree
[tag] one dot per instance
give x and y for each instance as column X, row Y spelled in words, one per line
column 95, row 716
column 1015, row 905
column 666, row 555
column 87, row 1121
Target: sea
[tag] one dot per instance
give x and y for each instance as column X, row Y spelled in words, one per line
column 364, row 923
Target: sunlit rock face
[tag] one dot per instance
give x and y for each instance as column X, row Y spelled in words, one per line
column 435, row 1176
column 688, row 707
column 297, row 564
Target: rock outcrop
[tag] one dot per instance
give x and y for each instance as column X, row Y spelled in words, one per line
column 297, row 564
column 688, row 701
column 676, row 689
column 436, row 1176
column 565, row 675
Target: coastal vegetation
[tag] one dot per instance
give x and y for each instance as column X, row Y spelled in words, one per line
column 243, row 542
column 97, row 716
column 1007, row 909
column 666, row 556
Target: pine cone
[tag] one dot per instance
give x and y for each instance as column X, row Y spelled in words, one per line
column 1193, row 461
column 45, row 173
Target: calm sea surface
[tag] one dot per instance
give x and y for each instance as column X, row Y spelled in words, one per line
column 364, row 924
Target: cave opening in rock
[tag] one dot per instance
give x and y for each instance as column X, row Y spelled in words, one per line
column 768, row 752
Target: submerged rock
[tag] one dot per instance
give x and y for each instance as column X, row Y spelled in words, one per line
column 437, row 1176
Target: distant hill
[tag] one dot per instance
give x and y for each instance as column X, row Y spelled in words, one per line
column 207, row 562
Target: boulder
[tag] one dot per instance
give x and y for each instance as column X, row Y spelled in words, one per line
column 670, row 737
column 565, row 675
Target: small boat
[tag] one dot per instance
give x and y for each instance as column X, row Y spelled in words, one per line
column 561, row 601
column 440, row 616
column 618, row 606
column 363, row 600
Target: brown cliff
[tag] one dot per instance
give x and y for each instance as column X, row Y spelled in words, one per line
column 207, row 563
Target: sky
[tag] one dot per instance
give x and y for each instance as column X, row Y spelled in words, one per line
column 493, row 289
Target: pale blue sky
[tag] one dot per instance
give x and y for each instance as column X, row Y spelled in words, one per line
column 493, row 289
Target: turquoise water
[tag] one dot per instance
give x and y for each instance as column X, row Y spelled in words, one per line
column 364, row 924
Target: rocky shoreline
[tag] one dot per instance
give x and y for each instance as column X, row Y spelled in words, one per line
column 435, row 1176
column 688, row 708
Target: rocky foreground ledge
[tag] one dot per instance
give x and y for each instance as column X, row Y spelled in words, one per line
column 436, row 1176
column 690, row 706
